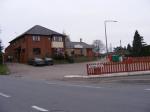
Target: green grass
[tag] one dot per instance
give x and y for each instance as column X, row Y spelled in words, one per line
column 3, row 70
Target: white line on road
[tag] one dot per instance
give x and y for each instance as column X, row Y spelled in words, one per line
column 71, row 85
column 4, row 95
column 147, row 89
column 39, row 109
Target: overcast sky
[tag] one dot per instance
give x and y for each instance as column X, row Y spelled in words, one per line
column 78, row 18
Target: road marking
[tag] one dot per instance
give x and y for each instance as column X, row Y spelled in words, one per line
column 71, row 85
column 39, row 109
column 4, row 95
column 147, row 89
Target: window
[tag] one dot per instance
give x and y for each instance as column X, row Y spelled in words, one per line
column 36, row 51
column 60, row 39
column 57, row 38
column 36, row 38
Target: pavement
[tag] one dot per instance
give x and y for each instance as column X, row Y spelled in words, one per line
column 28, row 95
column 123, row 74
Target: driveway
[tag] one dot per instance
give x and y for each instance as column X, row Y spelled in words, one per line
column 47, row 72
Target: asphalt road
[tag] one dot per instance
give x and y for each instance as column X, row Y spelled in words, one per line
column 26, row 95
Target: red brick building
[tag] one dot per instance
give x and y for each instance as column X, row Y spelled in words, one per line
column 36, row 42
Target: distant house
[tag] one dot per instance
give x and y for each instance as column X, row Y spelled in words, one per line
column 36, row 42
column 79, row 49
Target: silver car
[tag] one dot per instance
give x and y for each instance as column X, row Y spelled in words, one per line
column 36, row 61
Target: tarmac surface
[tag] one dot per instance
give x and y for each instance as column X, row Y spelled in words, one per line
column 28, row 95
column 45, row 89
column 55, row 72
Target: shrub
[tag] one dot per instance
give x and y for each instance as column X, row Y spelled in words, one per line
column 58, row 57
column 70, row 59
column 3, row 69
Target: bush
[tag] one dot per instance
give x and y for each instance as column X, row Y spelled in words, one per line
column 3, row 69
column 70, row 59
column 58, row 57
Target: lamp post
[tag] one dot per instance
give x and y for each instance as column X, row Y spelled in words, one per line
column 105, row 22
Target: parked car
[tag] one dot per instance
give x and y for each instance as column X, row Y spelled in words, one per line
column 48, row 61
column 36, row 61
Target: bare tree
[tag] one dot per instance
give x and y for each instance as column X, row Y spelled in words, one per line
column 98, row 46
column 67, row 39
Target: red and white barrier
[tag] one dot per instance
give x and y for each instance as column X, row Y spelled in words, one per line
column 130, row 65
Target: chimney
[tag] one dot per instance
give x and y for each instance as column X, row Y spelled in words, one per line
column 80, row 39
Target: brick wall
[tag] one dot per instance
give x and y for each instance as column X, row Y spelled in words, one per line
column 44, row 44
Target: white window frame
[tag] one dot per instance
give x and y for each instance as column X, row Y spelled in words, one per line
column 57, row 39
column 60, row 39
column 36, row 38
column 54, row 38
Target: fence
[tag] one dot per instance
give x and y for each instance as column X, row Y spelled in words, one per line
column 129, row 65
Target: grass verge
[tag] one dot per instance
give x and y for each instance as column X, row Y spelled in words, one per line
column 3, row 69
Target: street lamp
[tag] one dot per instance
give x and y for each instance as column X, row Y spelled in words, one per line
column 106, row 21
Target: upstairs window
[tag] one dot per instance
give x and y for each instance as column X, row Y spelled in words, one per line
column 36, row 51
column 57, row 39
column 36, row 38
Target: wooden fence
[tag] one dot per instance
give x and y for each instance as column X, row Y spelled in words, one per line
column 130, row 65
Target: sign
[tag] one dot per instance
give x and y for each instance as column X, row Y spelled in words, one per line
column 98, row 65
